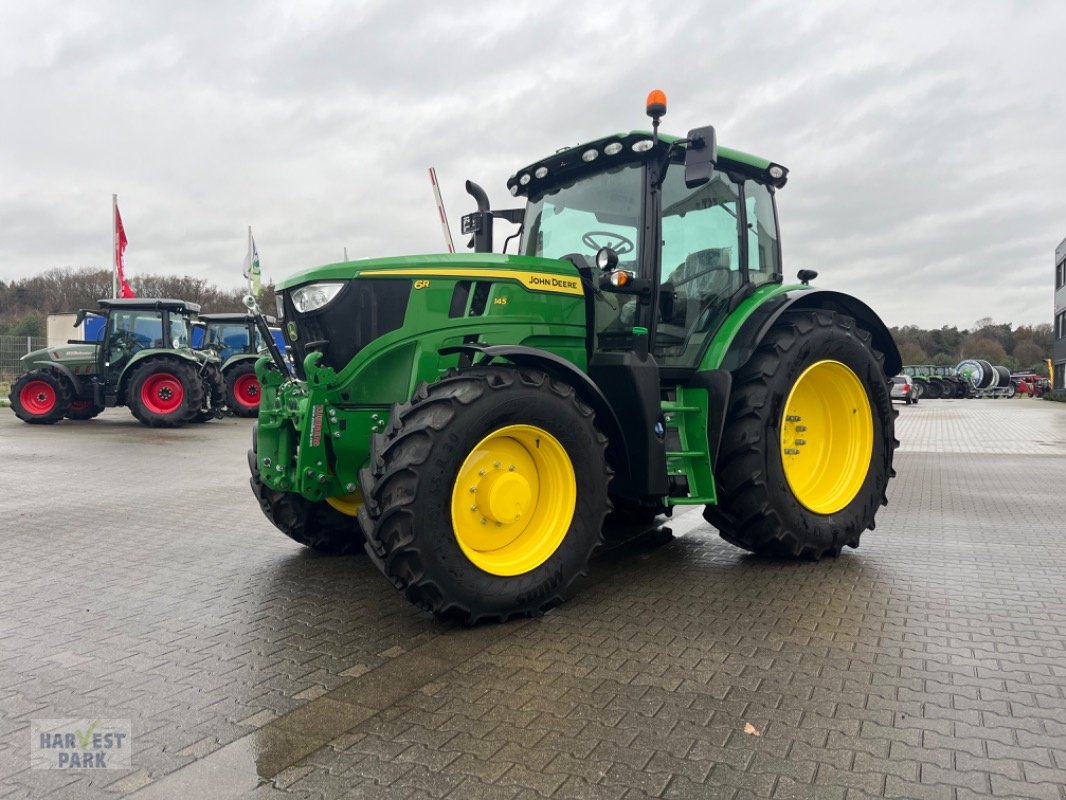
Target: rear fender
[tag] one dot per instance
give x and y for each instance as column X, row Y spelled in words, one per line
column 763, row 318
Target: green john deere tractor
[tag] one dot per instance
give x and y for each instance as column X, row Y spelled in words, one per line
column 238, row 343
column 142, row 360
column 471, row 419
column 937, row 382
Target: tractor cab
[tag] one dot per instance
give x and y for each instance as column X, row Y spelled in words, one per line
column 675, row 259
column 133, row 325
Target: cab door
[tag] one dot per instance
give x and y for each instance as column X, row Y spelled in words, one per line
column 702, row 265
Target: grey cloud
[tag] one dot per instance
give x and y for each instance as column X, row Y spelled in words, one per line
column 924, row 139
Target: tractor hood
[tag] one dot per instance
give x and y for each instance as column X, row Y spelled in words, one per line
column 536, row 274
column 67, row 354
column 339, row 309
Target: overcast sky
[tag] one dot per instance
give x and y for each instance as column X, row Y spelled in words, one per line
column 925, row 140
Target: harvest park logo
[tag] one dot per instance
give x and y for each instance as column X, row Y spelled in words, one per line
column 80, row 744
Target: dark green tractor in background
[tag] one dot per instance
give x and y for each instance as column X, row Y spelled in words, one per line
column 238, row 344
column 143, row 360
column 472, row 419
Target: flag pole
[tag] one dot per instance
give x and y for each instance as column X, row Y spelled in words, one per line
column 250, row 291
column 114, row 245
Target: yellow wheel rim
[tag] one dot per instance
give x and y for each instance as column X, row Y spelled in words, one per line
column 513, row 500
column 347, row 504
column 827, row 437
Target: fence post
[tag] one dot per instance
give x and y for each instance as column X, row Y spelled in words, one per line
column 28, row 344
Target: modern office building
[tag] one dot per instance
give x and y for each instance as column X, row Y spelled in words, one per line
column 1058, row 346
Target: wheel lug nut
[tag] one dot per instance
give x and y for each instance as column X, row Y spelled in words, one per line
column 801, row 428
column 791, row 451
column 496, row 464
column 801, row 441
column 792, row 418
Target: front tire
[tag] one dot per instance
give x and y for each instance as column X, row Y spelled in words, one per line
column 40, row 397
column 487, row 494
column 319, row 526
column 165, row 393
column 809, row 439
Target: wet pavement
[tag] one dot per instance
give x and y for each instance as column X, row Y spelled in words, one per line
column 140, row 581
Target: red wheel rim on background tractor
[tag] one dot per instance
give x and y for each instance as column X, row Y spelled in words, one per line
column 38, row 397
column 162, row 393
column 246, row 391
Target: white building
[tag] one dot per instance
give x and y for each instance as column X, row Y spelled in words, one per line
column 1058, row 347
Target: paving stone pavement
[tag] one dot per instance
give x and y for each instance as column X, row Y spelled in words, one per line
column 140, row 581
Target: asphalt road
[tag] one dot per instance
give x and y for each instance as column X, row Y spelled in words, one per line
column 140, row 581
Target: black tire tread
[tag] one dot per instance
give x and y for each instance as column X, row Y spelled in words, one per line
column 316, row 525
column 191, row 383
column 745, row 516
column 59, row 383
column 232, row 374
column 391, row 482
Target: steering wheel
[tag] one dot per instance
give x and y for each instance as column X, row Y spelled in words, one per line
column 616, row 241
column 124, row 340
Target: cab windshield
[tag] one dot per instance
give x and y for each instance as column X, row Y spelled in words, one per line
column 601, row 210
column 230, row 338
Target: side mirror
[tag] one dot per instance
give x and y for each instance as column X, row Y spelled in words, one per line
column 701, row 156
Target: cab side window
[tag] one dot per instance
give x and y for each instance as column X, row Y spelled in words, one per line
column 764, row 261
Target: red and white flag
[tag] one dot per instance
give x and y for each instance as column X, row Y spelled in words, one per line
column 124, row 289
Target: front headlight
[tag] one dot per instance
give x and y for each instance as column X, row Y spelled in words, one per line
column 315, row 296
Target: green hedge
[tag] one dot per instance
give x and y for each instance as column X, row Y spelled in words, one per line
column 1059, row 396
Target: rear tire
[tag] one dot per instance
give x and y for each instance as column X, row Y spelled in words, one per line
column 790, row 491
column 487, row 494
column 242, row 389
column 165, row 393
column 40, row 397
column 318, row 526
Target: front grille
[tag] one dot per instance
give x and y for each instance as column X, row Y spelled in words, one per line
column 364, row 310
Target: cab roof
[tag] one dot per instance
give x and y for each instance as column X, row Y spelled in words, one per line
column 233, row 316
column 569, row 163
column 149, row 303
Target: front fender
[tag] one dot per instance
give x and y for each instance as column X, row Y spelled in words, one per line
column 756, row 326
column 75, row 381
column 561, row 369
column 232, row 361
